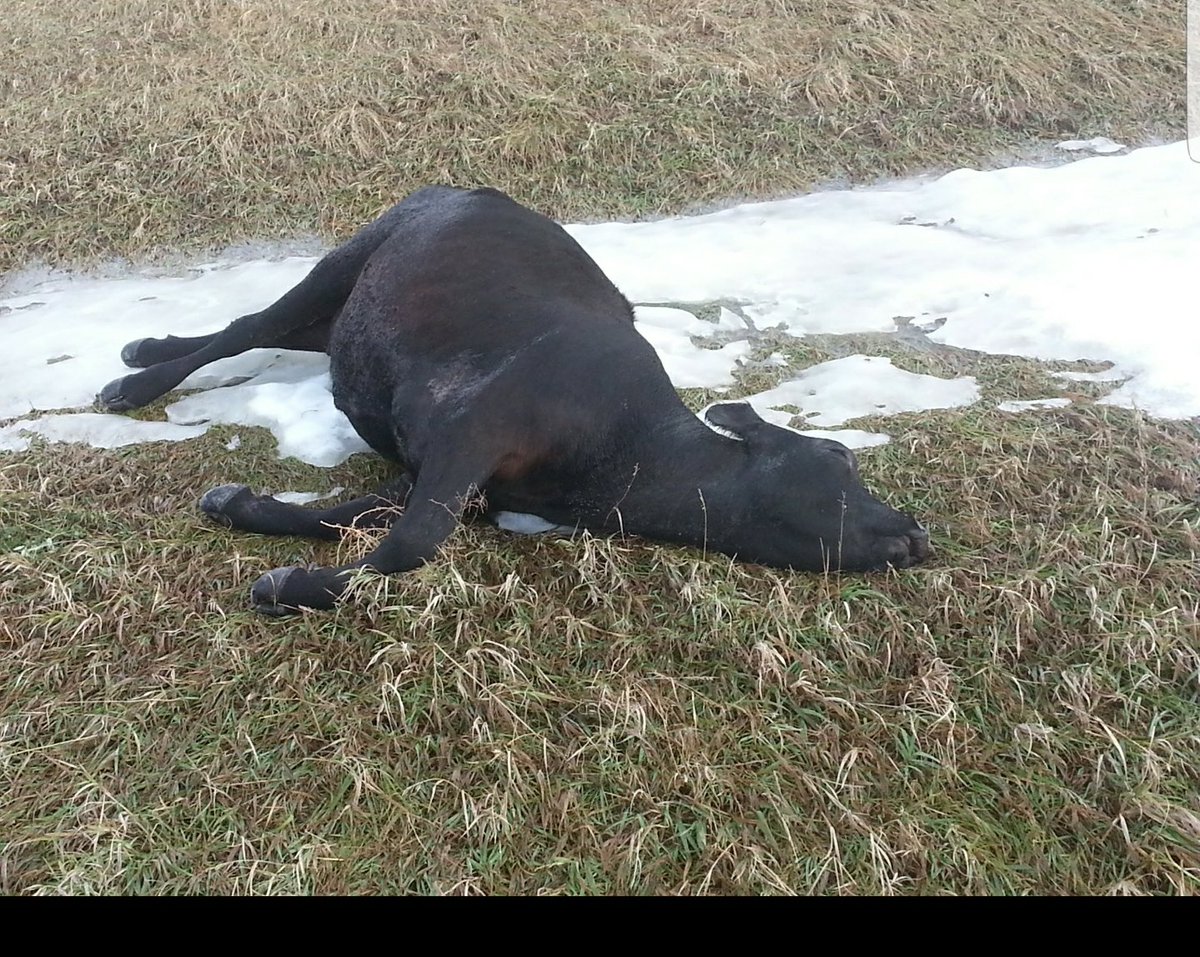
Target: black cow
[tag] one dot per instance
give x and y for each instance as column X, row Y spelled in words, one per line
column 474, row 342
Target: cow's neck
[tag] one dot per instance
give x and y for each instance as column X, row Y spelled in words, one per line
column 681, row 482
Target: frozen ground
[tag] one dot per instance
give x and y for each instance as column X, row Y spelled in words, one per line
column 1087, row 260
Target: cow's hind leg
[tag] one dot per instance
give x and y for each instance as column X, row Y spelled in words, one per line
column 235, row 506
column 143, row 353
column 314, row 302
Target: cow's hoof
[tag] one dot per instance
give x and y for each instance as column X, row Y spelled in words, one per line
column 133, row 391
column 113, row 397
column 283, row 591
column 219, row 503
column 267, row 594
column 129, row 355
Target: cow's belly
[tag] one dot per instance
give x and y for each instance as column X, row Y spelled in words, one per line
column 373, row 425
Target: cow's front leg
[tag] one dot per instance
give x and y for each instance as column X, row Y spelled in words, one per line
column 236, row 506
column 434, row 508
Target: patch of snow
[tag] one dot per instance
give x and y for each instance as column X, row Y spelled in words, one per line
column 304, row 498
column 834, row 392
column 1097, row 144
column 1088, row 260
column 1019, row 405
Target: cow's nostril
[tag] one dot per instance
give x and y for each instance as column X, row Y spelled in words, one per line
column 906, row 549
column 896, row 552
column 918, row 545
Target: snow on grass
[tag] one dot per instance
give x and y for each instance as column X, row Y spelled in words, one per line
column 1023, row 406
column 1088, row 260
column 670, row 331
column 1097, row 144
column 835, row 392
column 100, row 431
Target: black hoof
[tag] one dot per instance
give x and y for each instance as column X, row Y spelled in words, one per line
column 266, row 593
column 113, row 398
column 215, row 502
column 284, row 591
column 129, row 355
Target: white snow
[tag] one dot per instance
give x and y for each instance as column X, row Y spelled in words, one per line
column 1025, row 405
column 304, row 498
column 1097, row 144
column 1105, row 375
column 1088, row 260
column 835, row 392
column 62, row 341
column 300, row 413
column 521, row 523
column 670, row 330
column 94, row 428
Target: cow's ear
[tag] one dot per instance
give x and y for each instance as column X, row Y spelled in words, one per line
column 738, row 420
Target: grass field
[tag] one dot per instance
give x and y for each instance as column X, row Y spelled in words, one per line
column 1019, row 716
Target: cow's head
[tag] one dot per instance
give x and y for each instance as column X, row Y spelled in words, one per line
column 805, row 506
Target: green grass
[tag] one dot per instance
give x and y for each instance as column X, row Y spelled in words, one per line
column 554, row 716
column 139, row 129
column 1020, row 715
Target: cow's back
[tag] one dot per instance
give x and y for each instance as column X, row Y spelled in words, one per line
column 473, row 300
column 464, row 259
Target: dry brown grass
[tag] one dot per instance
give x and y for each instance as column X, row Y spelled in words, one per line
column 1022, row 715
column 126, row 127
